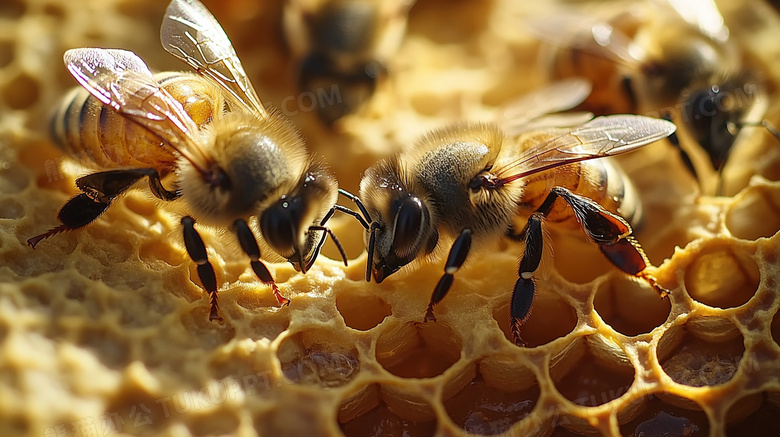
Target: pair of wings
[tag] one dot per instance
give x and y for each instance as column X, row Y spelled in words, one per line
column 120, row 79
column 570, row 30
column 575, row 136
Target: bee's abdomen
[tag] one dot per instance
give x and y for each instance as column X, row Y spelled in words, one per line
column 92, row 133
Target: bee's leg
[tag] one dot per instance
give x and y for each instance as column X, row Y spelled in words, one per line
column 525, row 287
column 674, row 140
column 76, row 213
column 610, row 231
column 458, row 253
column 99, row 190
column 197, row 252
column 249, row 245
column 628, row 87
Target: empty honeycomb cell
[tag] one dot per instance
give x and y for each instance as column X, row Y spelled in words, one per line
column 594, row 379
column 722, row 277
column 21, row 92
column 381, row 421
column 11, row 209
column 660, row 418
column 776, row 328
column 755, row 214
column 484, row 409
column 691, row 360
column 551, row 318
column 618, row 302
column 755, row 415
column 6, row 53
column 362, row 311
column 313, row 359
column 417, row 350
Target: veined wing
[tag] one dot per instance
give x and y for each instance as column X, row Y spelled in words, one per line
column 590, row 35
column 603, row 136
column 519, row 115
column 121, row 80
column 191, row 33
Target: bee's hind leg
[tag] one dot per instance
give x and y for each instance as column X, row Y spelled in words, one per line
column 610, row 231
column 99, row 190
column 249, row 246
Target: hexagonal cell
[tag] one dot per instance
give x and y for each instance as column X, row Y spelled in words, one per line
column 367, row 413
column 313, row 357
column 418, row 350
column 721, row 277
column 776, row 328
column 754, row 215
column 485, row 409
column 754, row 415
column 551, row 318
column 661, row 418
column 599, row 373
column 362, row 311
column 630, row 307
column 691, row 359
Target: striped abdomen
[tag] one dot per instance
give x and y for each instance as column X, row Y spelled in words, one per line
column 600, row 180
column 86, row 129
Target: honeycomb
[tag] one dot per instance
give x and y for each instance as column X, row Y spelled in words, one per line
column 105, row 331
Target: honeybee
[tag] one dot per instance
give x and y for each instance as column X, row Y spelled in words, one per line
column 676, row 62
column 472, row 183
column 234, row 163
column 344, row 45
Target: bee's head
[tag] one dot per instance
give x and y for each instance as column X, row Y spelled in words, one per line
column 292, row 223
column 401, row 228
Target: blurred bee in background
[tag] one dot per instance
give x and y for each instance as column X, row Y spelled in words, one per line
column 342, row 48
column 232, row 163
column 676, row 61
column 473, row 183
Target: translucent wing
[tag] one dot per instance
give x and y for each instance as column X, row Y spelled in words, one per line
column 592, row 36
column 600, row 137
column 121, row 80
column 192, row 34
column 517, row 115
column 704, row 15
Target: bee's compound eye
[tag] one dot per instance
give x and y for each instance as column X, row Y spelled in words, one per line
column 276, row 224
column 408, row 221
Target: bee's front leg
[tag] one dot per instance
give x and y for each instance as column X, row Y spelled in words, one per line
column 197, row 252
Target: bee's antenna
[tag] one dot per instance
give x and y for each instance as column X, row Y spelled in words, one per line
column 365, row 219
column 327, row 231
